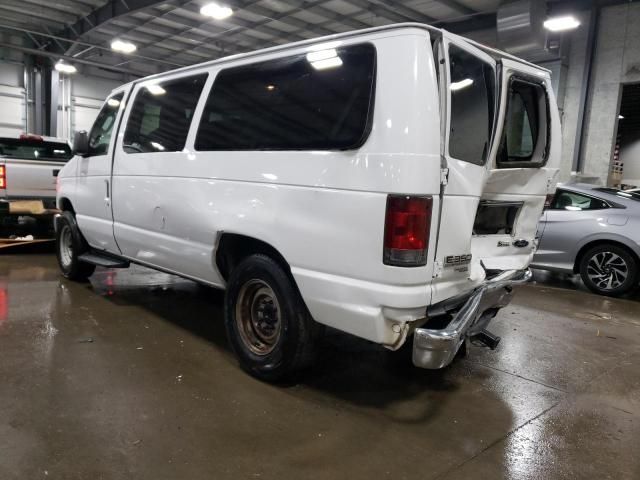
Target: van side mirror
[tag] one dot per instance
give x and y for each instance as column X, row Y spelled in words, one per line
column 81, row 143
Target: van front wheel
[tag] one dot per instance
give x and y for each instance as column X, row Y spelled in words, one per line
column 69, row 245
column 268, row 326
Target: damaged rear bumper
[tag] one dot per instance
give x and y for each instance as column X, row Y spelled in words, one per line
column 436, row 348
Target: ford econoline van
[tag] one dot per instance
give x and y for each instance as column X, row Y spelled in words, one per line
column 385, row 182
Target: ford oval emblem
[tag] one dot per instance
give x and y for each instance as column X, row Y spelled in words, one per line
column 520, row 243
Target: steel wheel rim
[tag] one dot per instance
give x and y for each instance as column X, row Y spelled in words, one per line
column 607, row 270
column 258, row 317
column 66, row 247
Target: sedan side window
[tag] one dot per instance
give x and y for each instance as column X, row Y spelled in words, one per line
column 100, row 135
column 572, row 201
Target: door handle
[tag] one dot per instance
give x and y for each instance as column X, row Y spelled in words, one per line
column 106, row 184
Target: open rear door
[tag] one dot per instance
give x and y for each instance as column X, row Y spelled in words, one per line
column 499, row 158
column 468, row 78
column 523, row 166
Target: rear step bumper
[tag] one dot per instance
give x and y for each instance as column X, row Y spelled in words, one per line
column 435, row 349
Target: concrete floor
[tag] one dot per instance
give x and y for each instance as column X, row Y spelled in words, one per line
column 130, row 377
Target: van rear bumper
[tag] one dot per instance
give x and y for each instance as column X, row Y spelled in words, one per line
column 436, row 348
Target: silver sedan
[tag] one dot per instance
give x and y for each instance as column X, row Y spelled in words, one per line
column 595, row 232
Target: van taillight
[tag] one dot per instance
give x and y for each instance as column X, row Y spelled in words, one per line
column 406, row 230
column 3, row 177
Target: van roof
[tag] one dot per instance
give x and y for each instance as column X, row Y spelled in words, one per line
column 495, row 53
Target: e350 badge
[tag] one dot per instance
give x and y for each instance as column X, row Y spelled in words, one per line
column 459, row 262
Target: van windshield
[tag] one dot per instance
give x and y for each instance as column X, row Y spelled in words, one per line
column 32, row 149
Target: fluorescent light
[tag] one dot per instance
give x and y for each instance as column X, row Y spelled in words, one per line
column 322, row 55
column 323, row 59
column 122, row 46
column 219, row 12
column 621, row 117
column 65, row 67
column 461, row 84
column 112, row 102
column 328, row 63
column 155, row 89
column 559, row 24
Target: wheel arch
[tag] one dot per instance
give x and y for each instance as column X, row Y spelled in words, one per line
column 232, row 248
column 65, row 205
column 603, row 241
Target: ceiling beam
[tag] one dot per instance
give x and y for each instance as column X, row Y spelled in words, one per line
column 102, row 15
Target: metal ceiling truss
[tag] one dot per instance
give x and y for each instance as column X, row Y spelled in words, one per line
column 171, row 33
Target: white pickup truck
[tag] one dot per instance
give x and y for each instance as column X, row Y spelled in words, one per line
column 386, row 183
column 29, row 166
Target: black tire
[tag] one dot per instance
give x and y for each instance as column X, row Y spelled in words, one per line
column 275, row 338
column 69, row 245
column 609, row 269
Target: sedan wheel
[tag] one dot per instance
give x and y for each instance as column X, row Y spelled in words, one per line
column 609, row 270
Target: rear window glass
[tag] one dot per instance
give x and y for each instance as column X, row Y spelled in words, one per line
column 161, row 115
column 524, row 137
column 472, row 106
column 320, row 100
column 34, row 149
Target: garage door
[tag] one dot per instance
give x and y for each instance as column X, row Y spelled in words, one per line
column 12, row 121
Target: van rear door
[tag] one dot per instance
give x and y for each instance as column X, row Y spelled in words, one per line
column 499, row 157
column 522, row 167
column 468, row 94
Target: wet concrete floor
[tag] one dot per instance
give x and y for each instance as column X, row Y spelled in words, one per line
column 130, row 377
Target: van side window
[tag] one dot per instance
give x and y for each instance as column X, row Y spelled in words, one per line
column 472, row 89
column 525, row 126
column 100, row 135
column 320, row 100
column 161, row 115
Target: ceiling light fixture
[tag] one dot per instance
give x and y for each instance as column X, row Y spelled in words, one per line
column 455, row 86
column 65, row 67
column 123, row 46
column 323, row 59
column 218, row 12
column 560, row 24
column 155, row 89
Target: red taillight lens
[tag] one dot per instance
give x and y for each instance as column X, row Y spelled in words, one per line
column 406, row 230
column 3, row 177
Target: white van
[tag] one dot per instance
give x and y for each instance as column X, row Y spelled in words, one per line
column 385, row 182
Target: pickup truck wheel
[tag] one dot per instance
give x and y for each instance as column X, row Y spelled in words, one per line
column 268, row 326
column 609, row 270
column 69, row 245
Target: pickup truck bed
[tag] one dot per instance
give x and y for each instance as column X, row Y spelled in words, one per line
column 29, row 165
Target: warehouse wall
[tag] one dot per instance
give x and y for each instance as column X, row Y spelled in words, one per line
column 617, row 61
column 12, row 99
column 81, row 96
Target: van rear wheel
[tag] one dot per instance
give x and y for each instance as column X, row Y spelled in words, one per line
column 69, row 245
column 268, row 326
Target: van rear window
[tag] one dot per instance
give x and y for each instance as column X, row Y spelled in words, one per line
column 34, row 149
column 322, row 100
column 472, row 106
